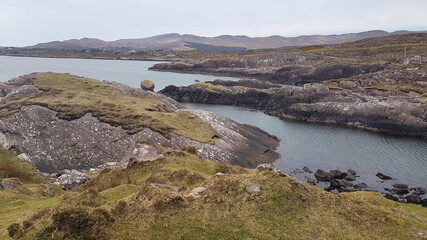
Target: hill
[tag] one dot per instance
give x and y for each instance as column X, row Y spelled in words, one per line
column 180, row 42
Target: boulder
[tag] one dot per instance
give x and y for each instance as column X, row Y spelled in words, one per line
column 323, row 176
column 351, row 171
column 311, row 181
column 413, row 199
column 338, row 183
column 306, row 169
column 382, row 176
column 147, row 85
column 424, row 202
column 419, row 191
column 71, row 179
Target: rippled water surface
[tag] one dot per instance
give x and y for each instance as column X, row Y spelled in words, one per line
column 303, row 144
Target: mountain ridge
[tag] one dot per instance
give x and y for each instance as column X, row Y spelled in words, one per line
column 179, row 42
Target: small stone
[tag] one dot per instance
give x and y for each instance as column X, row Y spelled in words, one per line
column 400, row 185
column 424, row 202
column 400, row 191
column 270, row 168
column 48, row 191
column 219, row 174
column 195, row 193
column 254, row 188
column 360, row 185
column 173, row 188
column 334, row 191
column 338, row 174
column 311, row 181
column 306, row 169
column 351, row 171
column 382, row 176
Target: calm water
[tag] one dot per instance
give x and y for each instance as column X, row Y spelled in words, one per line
column 127, row 72
column 333, row 147
column 303, row 144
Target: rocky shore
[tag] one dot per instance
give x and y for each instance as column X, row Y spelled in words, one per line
column 356, row 104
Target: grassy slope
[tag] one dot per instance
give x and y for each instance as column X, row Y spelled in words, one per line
column 72, row 97
column 284, row 209
column 19, row 204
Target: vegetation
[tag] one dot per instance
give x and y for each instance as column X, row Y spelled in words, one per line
column 72, row 97
column 285, row 208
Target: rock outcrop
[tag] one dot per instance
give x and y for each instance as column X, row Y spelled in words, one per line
column 54, row 144
column 393, row 111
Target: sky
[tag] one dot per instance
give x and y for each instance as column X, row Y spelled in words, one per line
column 28, row 22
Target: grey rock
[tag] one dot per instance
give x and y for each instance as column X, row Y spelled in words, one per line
column 338, row 174
column 360, row 185
column 71, row 179
column 424, row 202
column 400, row 185
column 323, row 175
column 350, row 177
column 48, row 190
column 413, row 199
column 10, row 184
column 400, row 191
column 311, row 181
column 351, row 171
column 173, row 188
column 254, row 188
column 306, row 169
column 383, row 177
column 391, row 197
column 195, row 193
column 334, row 191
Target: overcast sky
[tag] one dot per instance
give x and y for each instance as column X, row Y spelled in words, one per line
column 27, row 22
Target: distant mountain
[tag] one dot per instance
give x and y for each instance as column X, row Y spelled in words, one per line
column 175, row 41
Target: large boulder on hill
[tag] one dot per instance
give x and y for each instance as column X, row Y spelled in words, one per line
column 147, row 85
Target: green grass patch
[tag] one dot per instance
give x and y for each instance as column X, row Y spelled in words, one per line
column 13, row 167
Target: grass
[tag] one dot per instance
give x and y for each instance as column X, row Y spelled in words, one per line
column 72, row 97
column 284, row 209
column 12, row 167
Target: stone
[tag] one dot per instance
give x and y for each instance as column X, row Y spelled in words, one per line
column 254, row 188
column 219, row 174
column 391, row 197
column 413, row 199
column 147, row 85
column 195, row 193
column 71, row 179
column 270, row 168
column 382, row 176
column 400, row 191
column 48, row 190
column 424, row 202
column 173, row 188
column 10, row 184
column 337, row 183
column 351, row 171
column 323, row 176
column 334, row 191
column 360, row 185
column 306, row 169
column 350, row 177
column 311, row 181
column 419, row 191
column 338, row 174
column 400, row 185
